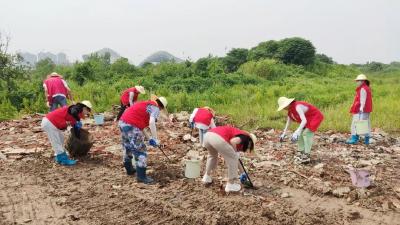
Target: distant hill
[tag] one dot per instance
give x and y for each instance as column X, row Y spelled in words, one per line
column 161, row 56
column 113, row 54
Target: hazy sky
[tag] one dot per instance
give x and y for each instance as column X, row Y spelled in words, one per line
column 347, row 30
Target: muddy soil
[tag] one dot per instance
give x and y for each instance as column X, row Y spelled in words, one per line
column 34, row 190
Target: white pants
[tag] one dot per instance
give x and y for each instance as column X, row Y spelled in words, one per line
column 55, row 135
column 362, row 116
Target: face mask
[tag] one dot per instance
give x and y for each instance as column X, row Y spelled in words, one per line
column 359, row 83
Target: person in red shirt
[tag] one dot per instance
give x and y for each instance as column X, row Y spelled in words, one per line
column 309, row 117
column 56, row 91
column 361, row 108
column 202, row 119
column 129, row 97
column 54, row 123
column 132, row 123
column 227, row 141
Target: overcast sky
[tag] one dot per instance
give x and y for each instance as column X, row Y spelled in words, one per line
column 347, row 30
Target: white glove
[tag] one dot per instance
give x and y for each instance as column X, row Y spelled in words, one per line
column 296, row 135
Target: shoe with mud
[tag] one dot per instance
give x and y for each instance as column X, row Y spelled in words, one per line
column 305, row 158
column 232, row 187
column 141, row 176
column 206, row 179
column 130, row 170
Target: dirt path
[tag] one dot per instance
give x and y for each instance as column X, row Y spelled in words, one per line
column 35, row 191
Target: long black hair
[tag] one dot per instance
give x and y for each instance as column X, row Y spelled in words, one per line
column 246, row 142
column 159, row 103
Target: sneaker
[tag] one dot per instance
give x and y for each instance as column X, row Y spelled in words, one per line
column 232, row 187
column 64, row 160
column 206, row 179
column 305, row 158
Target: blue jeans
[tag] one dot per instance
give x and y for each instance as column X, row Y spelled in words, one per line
column 58, row 101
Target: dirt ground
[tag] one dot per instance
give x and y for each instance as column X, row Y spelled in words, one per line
column 34, row 190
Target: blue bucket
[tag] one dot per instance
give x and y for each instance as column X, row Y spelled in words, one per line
column 99, row 119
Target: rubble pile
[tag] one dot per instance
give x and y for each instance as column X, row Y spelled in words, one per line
column 272, row 163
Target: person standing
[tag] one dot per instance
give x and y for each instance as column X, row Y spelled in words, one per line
column 361, row 108
column 309, row 117
column 202, row 119
column 55, row 122
column 132, row 123
column 56, row 91
column 129, row 97
column 227, row 141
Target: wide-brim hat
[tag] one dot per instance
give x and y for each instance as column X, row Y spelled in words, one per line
column 140, row 89
column 87, row 104
column 361, row 77
column 283, row 102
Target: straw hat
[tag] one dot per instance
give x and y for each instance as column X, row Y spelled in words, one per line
column 283, row 102
column 163, row 100
column 253, row 138
column 87, row 104
column 361, row 77
column 140, row 89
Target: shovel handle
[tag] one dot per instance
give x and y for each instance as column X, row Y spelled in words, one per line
column 245, row 171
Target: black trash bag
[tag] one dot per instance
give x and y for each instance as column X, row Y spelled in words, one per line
column 79, row 147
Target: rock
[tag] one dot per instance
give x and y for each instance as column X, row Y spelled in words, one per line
column 385, row 206
column 182, row 116
column 354, row 215
column 341, row 191
column 285, row 195
column 268, row 213
column 268, row 164
column 319, row 166
column 2, row 156
column 27, row 221
column 187, row 137
column 108, row 116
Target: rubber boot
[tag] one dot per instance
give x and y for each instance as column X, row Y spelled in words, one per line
column 141, row 176
column 64, row 160
column 366, row 140
column 130, row 170
column 353, row 140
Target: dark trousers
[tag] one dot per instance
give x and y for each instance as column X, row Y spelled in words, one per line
column 58, row 101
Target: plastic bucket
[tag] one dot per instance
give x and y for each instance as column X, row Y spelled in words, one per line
column 362, row 127
column 99, row 119
column 192, row 169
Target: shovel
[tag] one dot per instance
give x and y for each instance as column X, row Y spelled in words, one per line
column 166, row 156
column 250, row 184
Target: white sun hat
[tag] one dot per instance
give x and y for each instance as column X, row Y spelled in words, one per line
column 87, row 104
column 253, row 138
column 140, row 89
column 361, row 77
column 283, row 102
column 164, row 101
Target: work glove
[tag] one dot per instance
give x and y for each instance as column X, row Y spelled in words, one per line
column 154, row 142
column 78, row 125
column 282, row 137
column 243, row 178
column 191, row 125
column 295, row 136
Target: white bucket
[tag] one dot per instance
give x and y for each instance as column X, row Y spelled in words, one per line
column 362, row 127
column 99, row 119
column 192, row 168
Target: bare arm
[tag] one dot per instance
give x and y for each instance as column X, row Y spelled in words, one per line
column 234, row 142
column 301, row 110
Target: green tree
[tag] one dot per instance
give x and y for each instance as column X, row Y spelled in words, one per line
column 267, row 49
column 10, row 66
column 235, row 58
column 296, row 51
column 324, row 58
